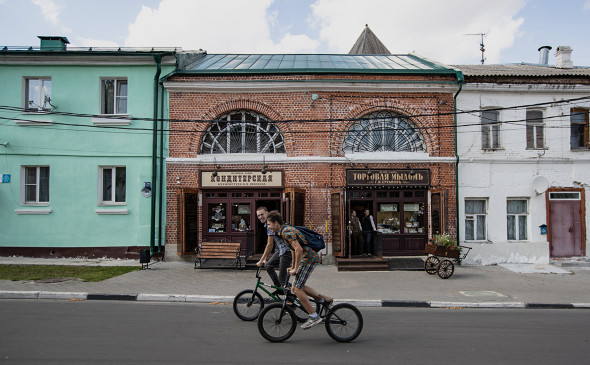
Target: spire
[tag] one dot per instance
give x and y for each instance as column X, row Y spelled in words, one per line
column 368, row 43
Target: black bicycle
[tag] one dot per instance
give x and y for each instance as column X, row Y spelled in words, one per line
column 248, row 303
column 277, row 322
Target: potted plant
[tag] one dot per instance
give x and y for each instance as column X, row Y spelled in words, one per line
column 446, row 241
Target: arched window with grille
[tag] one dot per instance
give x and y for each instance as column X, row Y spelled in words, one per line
column 384, row 131
column 242, row 132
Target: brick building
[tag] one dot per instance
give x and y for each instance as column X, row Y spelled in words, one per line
column 314, row 136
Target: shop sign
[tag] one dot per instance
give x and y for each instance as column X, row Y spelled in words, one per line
column 241, row 179
column 363, row 178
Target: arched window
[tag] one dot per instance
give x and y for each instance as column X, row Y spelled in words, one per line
column 383, row 131
column 242, row 132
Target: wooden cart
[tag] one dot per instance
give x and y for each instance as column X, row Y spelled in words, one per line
column 442, row 260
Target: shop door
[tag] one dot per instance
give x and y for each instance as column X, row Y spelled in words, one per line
column 189, row 232
column 337, row 200
column 295, row 213
column 565, row 224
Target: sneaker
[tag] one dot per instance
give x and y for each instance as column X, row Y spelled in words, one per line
column 311, row 321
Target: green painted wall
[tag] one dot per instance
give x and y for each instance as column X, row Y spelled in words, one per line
column 74, row 149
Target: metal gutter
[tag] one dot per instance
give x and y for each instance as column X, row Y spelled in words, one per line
column 460, row 81
column 158, row 61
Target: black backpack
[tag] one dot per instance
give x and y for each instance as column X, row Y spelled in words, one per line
column 314, row 239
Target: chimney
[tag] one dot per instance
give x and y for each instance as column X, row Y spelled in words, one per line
column 53, row 43
column 544, row 55
column 563, row 57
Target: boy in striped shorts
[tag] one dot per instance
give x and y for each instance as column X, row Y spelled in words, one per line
column 302, row 265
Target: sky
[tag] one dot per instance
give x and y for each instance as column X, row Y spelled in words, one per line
column 443, row 31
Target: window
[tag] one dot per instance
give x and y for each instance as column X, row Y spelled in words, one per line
column 579, row 128
column 475, row 220
column 37, row 93
column 383, row 132
column 534, row 129
column 35, row 184
column 242, row 132
column 112, row 185
column 113, row 96
column 490, row 129
column 517, row 218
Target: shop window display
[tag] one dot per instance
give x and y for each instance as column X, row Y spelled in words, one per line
column 388, row 218
column 414, row 218
column 217, row 217
column 240, row 217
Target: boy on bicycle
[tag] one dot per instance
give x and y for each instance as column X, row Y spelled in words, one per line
column 303, row 263
column 282, row 256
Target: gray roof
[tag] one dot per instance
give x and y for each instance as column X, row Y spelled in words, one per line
column 521, row 69
column 312, row 63
column 368, row 43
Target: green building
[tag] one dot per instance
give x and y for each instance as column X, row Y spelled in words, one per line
column 81, row 147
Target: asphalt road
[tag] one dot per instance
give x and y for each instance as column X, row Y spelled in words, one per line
column 112, row 332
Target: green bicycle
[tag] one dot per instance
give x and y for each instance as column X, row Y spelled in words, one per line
column 249, row 303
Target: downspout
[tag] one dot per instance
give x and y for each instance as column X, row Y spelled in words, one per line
column 161, row 171
column 460, row 81
column 158, row 60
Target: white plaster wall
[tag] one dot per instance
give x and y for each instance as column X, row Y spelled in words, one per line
column 509, row 172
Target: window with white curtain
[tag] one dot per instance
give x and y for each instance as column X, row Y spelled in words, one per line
column 112, row 187
column 490, row 129
column 113, row 96
column 37, row 93
column 535, row 129
column 475, row 219
column 517, row 219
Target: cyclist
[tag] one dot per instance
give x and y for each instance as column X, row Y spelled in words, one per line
column 281, row 257
column 303, row 263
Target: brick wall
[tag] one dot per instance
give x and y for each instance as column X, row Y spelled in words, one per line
column 307, row 131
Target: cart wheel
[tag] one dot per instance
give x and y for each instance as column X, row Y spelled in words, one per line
column 445, row 269
column 430, row 265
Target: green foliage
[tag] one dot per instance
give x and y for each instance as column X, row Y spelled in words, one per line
column 445, row 240
column 44, row 272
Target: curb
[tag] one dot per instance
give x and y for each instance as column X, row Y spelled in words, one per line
column 218, row 299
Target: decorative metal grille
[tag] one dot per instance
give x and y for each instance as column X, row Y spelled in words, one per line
column 242, row 132
column 383, row 131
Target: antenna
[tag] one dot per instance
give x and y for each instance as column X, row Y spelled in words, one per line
column 481, row 46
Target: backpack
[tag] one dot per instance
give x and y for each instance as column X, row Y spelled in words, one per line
column 314, row 240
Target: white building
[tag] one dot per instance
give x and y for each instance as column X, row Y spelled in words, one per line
column 524, row 161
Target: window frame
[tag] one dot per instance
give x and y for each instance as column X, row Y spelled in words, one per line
column 517, row 220
column 37, row 184
column 476, row 217
column 42, row 95
column 487, row 135
column 116, row 98
column 533, row 125
column 101, row 201
column 585, row 125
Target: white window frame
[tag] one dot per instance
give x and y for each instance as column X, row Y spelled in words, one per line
column 533, row 127
column 112, row 201
column 43, row 101
column 116, row 97
column 476, row 217
column 37, row 185
column 490, row 128
column 517, row 220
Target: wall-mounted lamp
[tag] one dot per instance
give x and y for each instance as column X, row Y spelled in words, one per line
column 369, row 172
column 411, row 170
column 264, row 167
column 217, row 167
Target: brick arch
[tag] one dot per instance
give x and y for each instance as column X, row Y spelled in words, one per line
column 226, row 107
column 392, row 106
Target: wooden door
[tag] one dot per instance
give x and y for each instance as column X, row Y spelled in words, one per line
column 338, row 226
column 295, row 206
column 566, row 227
column 188, row 221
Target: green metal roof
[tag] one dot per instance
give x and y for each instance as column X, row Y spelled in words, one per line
column 313, row 63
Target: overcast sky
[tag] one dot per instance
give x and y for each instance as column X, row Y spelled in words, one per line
column 437, row 29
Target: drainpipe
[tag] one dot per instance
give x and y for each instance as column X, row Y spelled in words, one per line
column 460, row 81
column 160, row 203
column 158, row 60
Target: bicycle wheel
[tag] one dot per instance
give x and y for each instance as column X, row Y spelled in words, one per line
column 344, row 322
column 430, row 265
column 445, row 269
column 247, row 305
column 275, row 323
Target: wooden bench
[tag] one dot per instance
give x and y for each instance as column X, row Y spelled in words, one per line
column 218, row 250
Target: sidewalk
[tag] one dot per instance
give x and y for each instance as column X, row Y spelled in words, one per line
column 507, row 286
